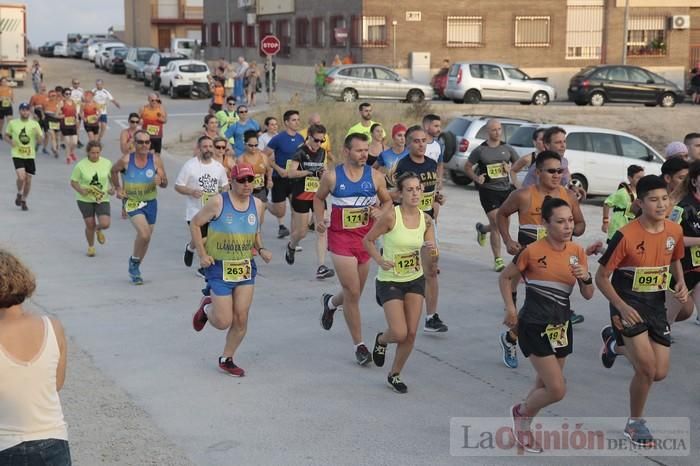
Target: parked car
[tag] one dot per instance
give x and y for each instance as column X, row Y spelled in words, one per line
column 472, row 82
column 46, row 50
column 351, row 82
column 439, row 83
column 598, row 85
column 92, row 46
column 103, row 51
column 114, row 62
column 76, row 49
column 466, row 132
column 179, row 76
column 154, row 67
column 598, row 157
column 60, row 50
column 136, row 59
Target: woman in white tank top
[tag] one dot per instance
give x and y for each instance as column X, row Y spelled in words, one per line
column 32, row 371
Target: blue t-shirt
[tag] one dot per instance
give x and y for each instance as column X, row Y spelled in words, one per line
column 284, row 147
column 388, row 157
column 237, row 130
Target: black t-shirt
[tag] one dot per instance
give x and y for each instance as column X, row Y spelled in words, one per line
column 311, row 161
column 690, row 221
column 427, row 172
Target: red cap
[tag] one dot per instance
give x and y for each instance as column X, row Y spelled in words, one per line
column 397, row 128
column 242, row 170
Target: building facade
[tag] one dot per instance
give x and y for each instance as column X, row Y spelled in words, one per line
column 154, row 23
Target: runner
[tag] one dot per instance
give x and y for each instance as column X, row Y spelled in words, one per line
column 692, row 142
column 674, row 171
column 22, row 135
column 426, row 168
column 38, row 104
column 386, row 162
column 200, row 179
column 305, row 171
column 315, row 119
column 238, row 129
column 89, row 113
column 528, row 160
column 432, row 125
column 223, row 153
column 92, row 184
column 639, row 257
column 6, row 101
column 551, row 267
column 103, row 98
column 143, row 172
column 261, row 166
column 376, row 144
column 233, row 221
column 270, row 130
column 227, row 115
column 68, row 115
column 218, row 95
column 621, row 203
column 210, row 129
column 126, row 137
column 76, row 95
column 494, row 158
column 364, row 126
column 283, row 146
column 153, row 117
column 406, row 232
column 357, row 191
column 527, row 203
column 52, row 120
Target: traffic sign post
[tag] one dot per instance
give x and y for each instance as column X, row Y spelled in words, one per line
column 270, row 46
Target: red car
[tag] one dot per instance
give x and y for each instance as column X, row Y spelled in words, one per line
column 439, row 82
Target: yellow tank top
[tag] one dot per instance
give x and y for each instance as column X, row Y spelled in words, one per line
column 402, row 246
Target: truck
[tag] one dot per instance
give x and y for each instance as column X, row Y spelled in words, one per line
column 13, row 45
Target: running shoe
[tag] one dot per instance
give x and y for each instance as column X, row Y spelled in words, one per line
column 189, row 255
column 363, row 355
column 298, row 248
column 576, row 318
column 100, row 237
column 521, row 431
column 312, row 226
column 67, row 160
column 394, row 381
column 510, row 352
column 638, row 433
column 324, row 272
column 327, row 316
column 289, row 254
column 23, row 204
column 379, row 352
column 230, row 368
column 480, row 235
column 80, row 144
column 201, row 273
column 607, row 355
column 44, row 151
column 91, row 251
column 199, row 320
column 73, row 157
column 282, row 232
column 55, row 153
column 134, row 272
column 18, row 200
column 498, row 264
column 434, row 324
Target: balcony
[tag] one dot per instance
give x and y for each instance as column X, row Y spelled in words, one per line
column 174, row 12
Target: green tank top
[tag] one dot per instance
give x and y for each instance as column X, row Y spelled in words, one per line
column 402, row 246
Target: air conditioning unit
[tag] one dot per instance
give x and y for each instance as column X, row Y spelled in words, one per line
column 246, row 3
column 679, row 22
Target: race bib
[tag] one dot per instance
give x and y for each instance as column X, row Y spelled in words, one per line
column 311, row 184
column 6, row 103
column 206, row 196
column 288, row 166
column 133, row 204
column 54, row 125
column 541, row 233
column 95, row 193
column 69, row 121
column 236, row 270
column 426, row 201
column 354, row 218
column 92, row 119
column 651, row 279
column 676, row 214
column 152, row 130
column 556, row 334
column 496, row 170
column 695, row 255
column 407, row 264
column 259, row 181
column 24, row 150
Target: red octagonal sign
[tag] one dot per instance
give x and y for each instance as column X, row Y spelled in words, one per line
column 270, row 45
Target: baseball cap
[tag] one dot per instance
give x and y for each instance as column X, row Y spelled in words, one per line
column 676, row 148
column 242, row 170
column 397, row 128
column 24, row 106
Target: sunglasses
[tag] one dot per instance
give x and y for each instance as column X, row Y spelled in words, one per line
column 143, row 142
column 133, row 121
column 220, row 147
column 243, row 111
column 252, row 145
column 319, row 141
column 247, row 179
column 552, row 171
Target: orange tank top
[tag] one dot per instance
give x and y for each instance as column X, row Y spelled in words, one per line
column 533, row 216
column 69, row 113
column 151, row 122
column 51, row 106
column 90, row 113
column 219, row 95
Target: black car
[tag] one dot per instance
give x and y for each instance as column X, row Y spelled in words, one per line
column 114, row 62
column 598, row 85
column 46, row 50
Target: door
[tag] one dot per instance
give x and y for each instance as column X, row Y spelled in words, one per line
column 163, row 39
column 517, row 86
column 645, row 90
column 636, row 152
column 618, row 86
column 387, row 85
column 604, row 168
column 362, row 80
column 493, row 83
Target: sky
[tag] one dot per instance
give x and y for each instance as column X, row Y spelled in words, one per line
column 47, row 21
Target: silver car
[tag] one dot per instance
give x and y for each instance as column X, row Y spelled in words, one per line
column 352, row 82
column 472, row 82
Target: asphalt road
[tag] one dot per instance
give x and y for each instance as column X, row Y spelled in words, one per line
column 304, row 400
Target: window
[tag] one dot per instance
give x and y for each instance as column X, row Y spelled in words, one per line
column 192, row 68
column 204, row 34
column 646, row 36
column 577, row 141
column 459, row 126
column 302, row 32
column 381, row 73
column 633, row 149
column 215, row 37
column 603, row 143
column 284, row 33
column 486, row 72
column 514, row 73
column 584, row 29
column 318, row 32
column 464, row 31
column 237, row 34
column 617, row 73
column 532, row 31
column 265, row 28
column 338, row 24
column 368, row 31
column 250, row 36
column 600, row 74
column 636, row 75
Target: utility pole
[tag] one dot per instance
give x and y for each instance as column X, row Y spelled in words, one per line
column 625, row 32
column 228, row 30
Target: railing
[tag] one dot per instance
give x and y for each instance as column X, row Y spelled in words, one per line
column 194, row 12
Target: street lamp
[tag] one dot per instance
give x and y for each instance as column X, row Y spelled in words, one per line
column 393, row 35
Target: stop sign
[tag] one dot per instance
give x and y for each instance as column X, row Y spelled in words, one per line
column 270, row 45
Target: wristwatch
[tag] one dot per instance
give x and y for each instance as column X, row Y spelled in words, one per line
column 589, row 280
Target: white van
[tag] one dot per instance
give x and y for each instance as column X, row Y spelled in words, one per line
column 183, row 46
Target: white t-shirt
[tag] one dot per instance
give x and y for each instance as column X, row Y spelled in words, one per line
column 76, row 95
column 433, row 151
column 209, row 177
column 102, row 97
column 264, row 140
